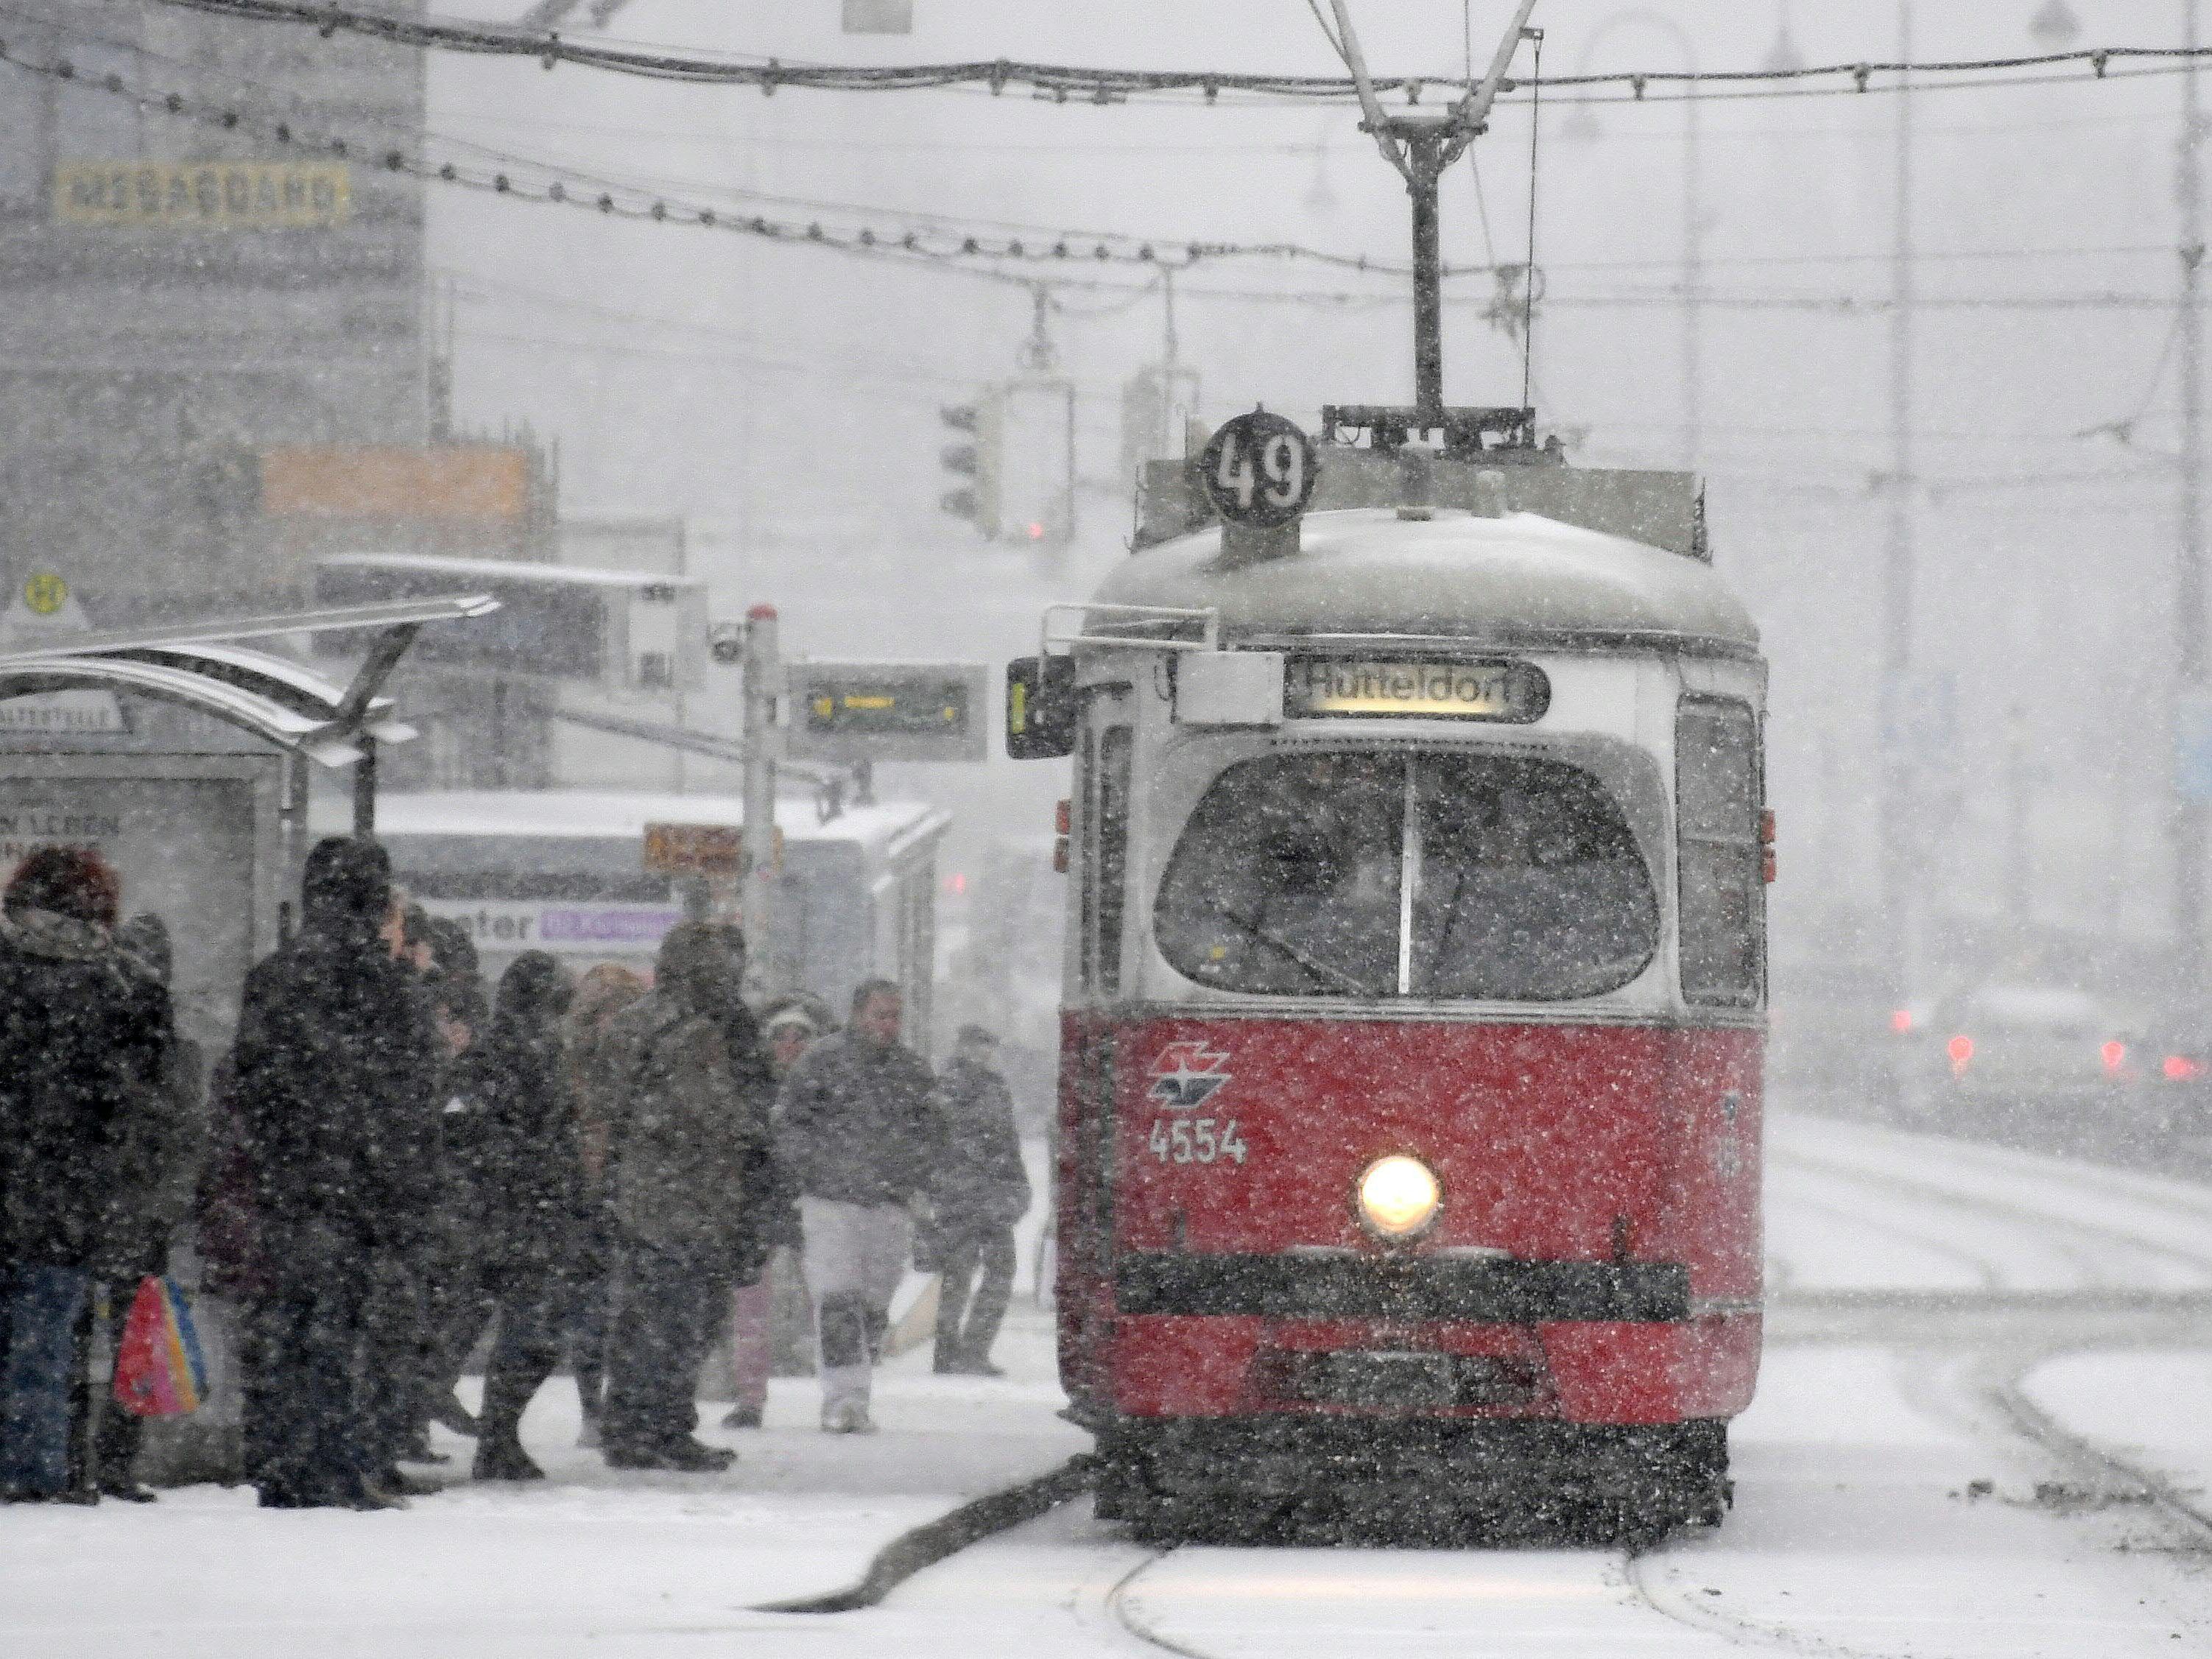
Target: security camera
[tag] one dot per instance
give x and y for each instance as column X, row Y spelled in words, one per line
column 726, row 643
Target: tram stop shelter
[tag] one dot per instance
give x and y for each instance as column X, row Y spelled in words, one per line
column 183, row 757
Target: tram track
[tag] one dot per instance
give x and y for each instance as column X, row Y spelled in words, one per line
column 1985, row 1397
column 1970, row 1377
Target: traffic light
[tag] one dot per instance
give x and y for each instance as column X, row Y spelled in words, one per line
column 1036, row 480
column 978, row 463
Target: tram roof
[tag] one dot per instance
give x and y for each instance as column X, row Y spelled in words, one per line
column 1519, row 580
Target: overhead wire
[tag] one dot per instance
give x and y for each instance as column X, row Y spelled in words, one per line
column 968, row 253
column 1063, row 82
column 523, row 179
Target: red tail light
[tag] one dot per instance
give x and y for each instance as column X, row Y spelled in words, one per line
column 1900, row 1020
column 1766, row 865
column 1961, row 1050
column 2115, row 1056
column 1063, row 817
column 2179, row 1068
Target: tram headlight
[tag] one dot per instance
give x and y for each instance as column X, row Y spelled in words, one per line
column 1398, row 1197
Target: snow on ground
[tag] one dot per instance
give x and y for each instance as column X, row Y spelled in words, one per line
column 595, row 1561
column 1852, row 1205
column 1859, row 1528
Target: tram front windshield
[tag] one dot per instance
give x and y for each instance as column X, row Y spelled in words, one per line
column 1381, row 874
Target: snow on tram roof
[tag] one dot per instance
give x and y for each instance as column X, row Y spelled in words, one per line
column 1521, row 581
column 622, row 815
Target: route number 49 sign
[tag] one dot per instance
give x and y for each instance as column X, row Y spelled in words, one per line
column 1260, row 470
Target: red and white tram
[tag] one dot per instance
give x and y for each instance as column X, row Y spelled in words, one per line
column 1414, row 999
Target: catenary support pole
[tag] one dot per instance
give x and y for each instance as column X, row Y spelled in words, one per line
column 2190, row 689
column 1902, row 717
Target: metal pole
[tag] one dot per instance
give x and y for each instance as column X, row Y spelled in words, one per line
column 1899, row 824
column 364, row 788
column 2189, row 817
column 764, row 672
column 1694, row 279
column 1423, row 150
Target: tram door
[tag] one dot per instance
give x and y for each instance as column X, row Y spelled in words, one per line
column 1096, row 969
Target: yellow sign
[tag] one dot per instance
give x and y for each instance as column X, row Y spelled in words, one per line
column 702, row 849
column 1466, row 691
column 45, row 594
column 449, row 480
column 204, row 195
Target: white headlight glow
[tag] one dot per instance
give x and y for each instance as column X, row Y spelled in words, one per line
column 1399, row 1196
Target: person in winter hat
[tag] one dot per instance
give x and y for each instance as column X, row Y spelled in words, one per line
column 789, row 1026
column 978, row 1190
column 83, row 1039
column 689, row 1140
column 333, row 1081
column 857, row 1135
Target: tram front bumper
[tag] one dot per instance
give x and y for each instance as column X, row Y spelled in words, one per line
column 1216, row 1336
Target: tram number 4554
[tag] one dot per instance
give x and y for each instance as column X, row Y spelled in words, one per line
column 1195, row 1140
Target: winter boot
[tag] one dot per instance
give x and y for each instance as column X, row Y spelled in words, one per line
column 452, row 1414
column 500, row 1457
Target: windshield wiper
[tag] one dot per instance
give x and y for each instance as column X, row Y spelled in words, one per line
column 1322, row 971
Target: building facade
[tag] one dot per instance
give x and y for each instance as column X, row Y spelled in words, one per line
column 184, row 297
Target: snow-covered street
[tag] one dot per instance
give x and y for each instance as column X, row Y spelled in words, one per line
column 1979, row 1431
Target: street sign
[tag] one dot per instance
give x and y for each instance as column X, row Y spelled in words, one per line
column 45, row 612
column 888, row 711
column 1259, row 471
column 694, row 849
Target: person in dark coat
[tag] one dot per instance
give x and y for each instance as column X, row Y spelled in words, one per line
column 81, row 1042
column 458, row 1304
column 977, row 1192
column 529, row 1173
column 333, row 1087
column 400, row 1346
column 601, row 996
column 857, row 1134
column 690, row 1135
column 158, row 1169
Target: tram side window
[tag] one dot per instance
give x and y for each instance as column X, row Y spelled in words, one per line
column 1113, row 853
column 1723, row 913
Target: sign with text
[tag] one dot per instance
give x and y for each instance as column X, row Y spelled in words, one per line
column 888, row 711
column 43, row 612
column 204, row 195
column 1517, row 692
column 695, row 849
column 1260, row 470
column 563, row 926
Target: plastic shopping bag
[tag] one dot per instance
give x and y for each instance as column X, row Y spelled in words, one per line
column 160, row 1370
